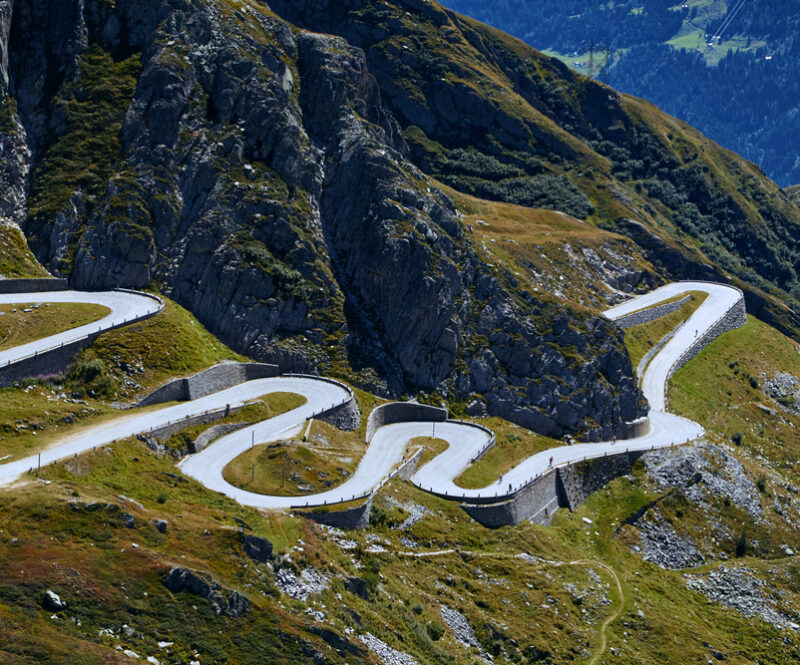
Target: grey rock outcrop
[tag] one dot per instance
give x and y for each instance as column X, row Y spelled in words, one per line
column 704, row 471
column 205, row 586
column 257, row 548
column 663, row 547
column 52, row 602
column 260, row 179
column 358, row 586
column 741, row 589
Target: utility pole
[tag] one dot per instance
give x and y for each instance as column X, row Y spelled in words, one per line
column 605, row 72
column 39, row 465
column 591, row 59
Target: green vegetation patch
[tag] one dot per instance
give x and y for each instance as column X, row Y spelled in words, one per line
column 16, row 259
column 93, row 106
column 314, row 462
column 20, row 324
column 514, row 445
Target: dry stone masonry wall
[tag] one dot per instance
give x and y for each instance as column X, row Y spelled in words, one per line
column 208, row 382
column 32, row 285
column 402, row 412
column 651, row 313
column 735, row 318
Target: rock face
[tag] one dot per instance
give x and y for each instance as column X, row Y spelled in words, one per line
column 741, row 589
column 703, row 471
column 203, row 585
column 254, row 172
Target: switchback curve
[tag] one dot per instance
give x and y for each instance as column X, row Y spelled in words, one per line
column 387, row 447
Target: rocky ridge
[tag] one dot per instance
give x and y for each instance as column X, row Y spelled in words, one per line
column 252, row 172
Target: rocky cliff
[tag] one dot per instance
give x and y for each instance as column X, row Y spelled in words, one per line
column 252, row 171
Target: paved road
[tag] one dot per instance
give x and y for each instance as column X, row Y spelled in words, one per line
column 317, row 394
column 389, row 443
column 665, row 429
column 124, row 307
column 720, row 300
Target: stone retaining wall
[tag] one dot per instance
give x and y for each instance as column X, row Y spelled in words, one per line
column 564, row 487
column 735, row 318
column 538, row 499
column 636, row 428
column 214, row 433
column 580, row 480
column 173, row 428
column 32, row 285
column 346, row 417
column 210, row 381
column 43, row 365
column 402, row 412
column 651, row 313
column 350, row 518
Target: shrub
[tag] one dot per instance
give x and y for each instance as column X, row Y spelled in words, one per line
column 741, row 544
column 435, row 630
column 737, row 438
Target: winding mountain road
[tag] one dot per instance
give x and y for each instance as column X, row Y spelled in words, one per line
column 125, row 307
column 389, row 444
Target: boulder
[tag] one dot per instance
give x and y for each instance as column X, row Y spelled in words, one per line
column 52, row 602
column 257, row 548
column 205, row 586
column 357, row 586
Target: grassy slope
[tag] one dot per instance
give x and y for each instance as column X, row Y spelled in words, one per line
column 16, row 259
column 20, row 327
column 514, row 444
column 546, row 249
column 132, row 361
column 532, row 603
column 323, row 461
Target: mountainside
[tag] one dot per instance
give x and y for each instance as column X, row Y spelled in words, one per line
column 272, row 179
column 727, row 68
column 251, row 172
column 497, row 119
column 393, row 194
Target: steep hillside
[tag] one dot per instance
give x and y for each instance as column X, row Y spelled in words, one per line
column 727, row 68
column 268, row 171
column 687, row 558
column 497, row 119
